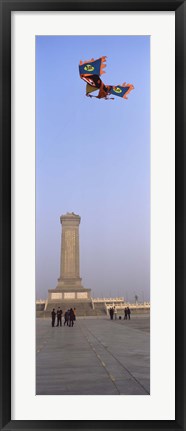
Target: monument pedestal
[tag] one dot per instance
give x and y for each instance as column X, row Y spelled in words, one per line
column 70, row 294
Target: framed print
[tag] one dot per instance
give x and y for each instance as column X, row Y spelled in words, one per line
column 92, row 218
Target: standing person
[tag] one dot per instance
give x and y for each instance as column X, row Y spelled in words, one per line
column 115, row 312
column 128, row 312
column 59, row 316
column 53, row 314
column 74, row 313
column 125, row 313
column 66, row 318
column 71, row 317
column 111, row 313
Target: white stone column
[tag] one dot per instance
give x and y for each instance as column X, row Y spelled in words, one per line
column 69, row 259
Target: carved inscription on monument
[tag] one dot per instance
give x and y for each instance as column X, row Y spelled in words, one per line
column 69, row 254
column 56, row 295
column 82, row 295
column 69, row 295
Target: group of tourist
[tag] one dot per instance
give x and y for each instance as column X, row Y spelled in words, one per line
column 69, row 317
column 113, row 313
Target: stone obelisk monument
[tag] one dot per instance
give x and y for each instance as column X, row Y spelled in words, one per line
column 69, row 285
column 69, row 261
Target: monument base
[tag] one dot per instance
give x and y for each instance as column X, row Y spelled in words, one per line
column 67, row 293
column 67, row 297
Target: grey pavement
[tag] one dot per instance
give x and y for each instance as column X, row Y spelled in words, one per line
column 95, row 357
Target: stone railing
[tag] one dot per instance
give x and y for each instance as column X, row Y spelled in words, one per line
column 40, row 301
column 145, row 305
column 110, row 300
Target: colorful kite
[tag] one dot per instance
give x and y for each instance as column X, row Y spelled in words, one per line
column 91, row 70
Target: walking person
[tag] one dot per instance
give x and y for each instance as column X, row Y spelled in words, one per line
column 66, row 317
column 125, row 313
column 111, row 313
column 128, row 312
column 59, row 316
column 71, row 317
column 53, row 314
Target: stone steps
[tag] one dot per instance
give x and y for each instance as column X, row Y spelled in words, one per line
column 82, row 309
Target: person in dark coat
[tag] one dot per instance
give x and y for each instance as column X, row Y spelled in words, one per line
column 111, row 313
column 59, row 316
column 66, row 318
column 53, row 314
column 125, row 313
column 71, row 317
column 128, row 312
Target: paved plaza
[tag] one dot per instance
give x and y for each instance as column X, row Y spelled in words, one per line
column 95, row 357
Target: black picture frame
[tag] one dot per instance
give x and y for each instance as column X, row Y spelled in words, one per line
column 6, row 7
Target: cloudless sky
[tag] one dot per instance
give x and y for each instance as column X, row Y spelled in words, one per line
column 93, row 159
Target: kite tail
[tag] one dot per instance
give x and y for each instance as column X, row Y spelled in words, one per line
column 131, row 87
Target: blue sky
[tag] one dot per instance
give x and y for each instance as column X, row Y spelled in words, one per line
column 93, row 158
